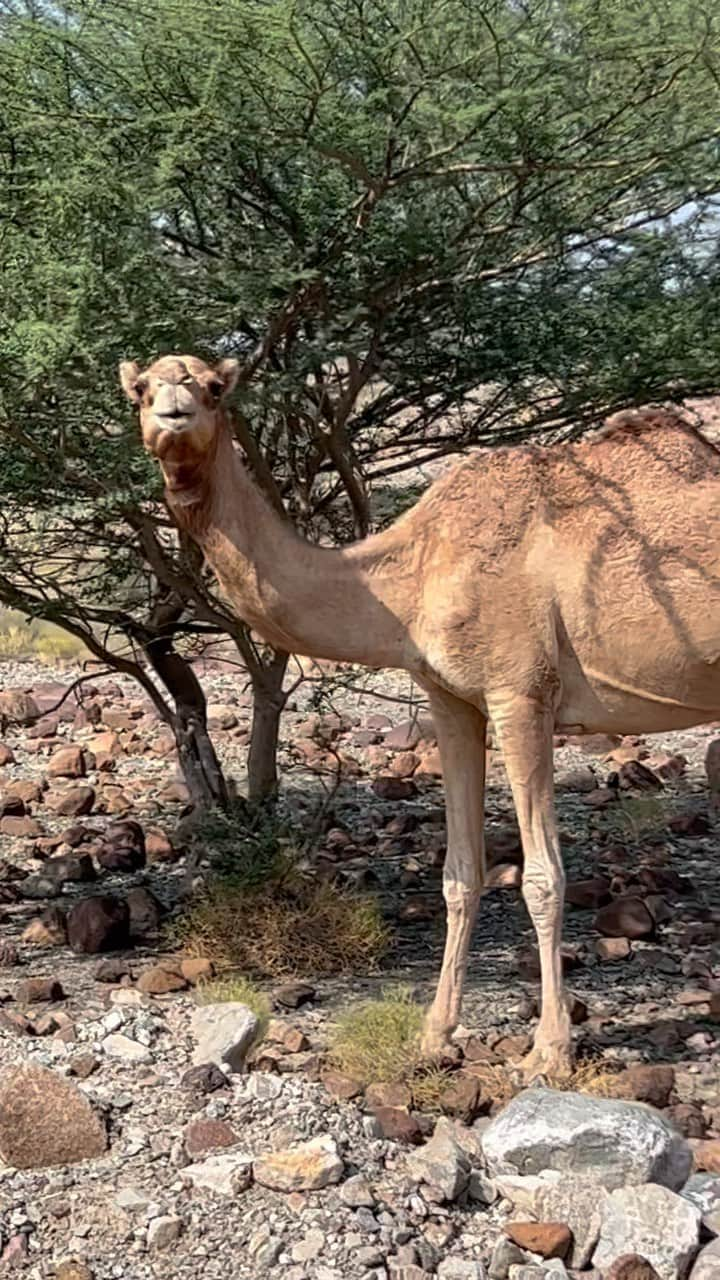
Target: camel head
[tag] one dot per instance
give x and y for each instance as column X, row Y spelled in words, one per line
column 180, row 401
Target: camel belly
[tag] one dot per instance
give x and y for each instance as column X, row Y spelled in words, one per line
column 646, row 676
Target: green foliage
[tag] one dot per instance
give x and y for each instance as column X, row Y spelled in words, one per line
column 380, row 206
column 380, row 1039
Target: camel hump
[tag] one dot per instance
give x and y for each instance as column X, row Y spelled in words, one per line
column 634, row 422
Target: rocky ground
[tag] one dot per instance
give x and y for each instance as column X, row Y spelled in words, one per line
column 122, row 1160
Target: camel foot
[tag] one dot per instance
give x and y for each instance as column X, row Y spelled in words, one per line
column 547, row 1062
column 436, row 1047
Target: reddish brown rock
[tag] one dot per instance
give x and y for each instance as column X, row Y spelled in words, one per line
column 689, row 824
column 38, row 990
column 8, row 954
column 68, row 762
column 601, row 798
column 98, row 924
column 11, row 806
column 17, row 1023
column 388, row 1093
column 73, row 803
column 613, row 948
column 197, row 969
column 430, row 765
column 45, row 1120
column 84, row 1065
column 626, row 917
column 588, row 894
column 406, row 735
column 18, row 706
column 688, row 1119
column 404, row 764
column 47, row 930
column 707, row 1155
column 341, row 1086
column 6, row 755
column 160, row 981
column 652, row 1083
column 205, row 1135
column 631, row 1267
column 159, row 846
column 389, row 788
column 398, row 1125
column 548, row 1239
column 635, row 776
column 291, row 995
column 463, row 1098
column 505, row 875
column 20, row 827
column 145, row 913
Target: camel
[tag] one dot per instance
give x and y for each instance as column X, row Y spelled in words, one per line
column 573, row 588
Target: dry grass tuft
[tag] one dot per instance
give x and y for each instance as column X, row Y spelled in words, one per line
column 23, row 639
column 283, row 928
column 380, row 1039
column 260, row 915
column 428, row 1085
column 637, row 817
column 236, row 989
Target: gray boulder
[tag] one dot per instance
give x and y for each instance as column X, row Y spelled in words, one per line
column 703, row 1190
column 224, row 1034
column 707, row 1263
column 653, row 1222
column 441, row 1165
column 576, row 1199
column 616, row 1143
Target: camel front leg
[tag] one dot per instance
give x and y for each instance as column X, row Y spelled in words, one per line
column 461, row 739
column 524, row 728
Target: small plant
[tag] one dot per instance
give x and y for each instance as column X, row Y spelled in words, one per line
column 637, row 817
column 290, row 925
column 380, row 1039
column 428, row 1085
column 236, row 989
column 260, row 914
column 24, row 639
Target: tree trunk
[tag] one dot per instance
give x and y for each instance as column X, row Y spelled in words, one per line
column 200, row 766
column 268, row 703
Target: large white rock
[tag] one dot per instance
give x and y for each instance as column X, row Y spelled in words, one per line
column 653, row 1222
column 224, row 1034
column 616, row 1143
column 226, row 1174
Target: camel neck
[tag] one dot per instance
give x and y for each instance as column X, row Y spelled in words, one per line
column 348, row 604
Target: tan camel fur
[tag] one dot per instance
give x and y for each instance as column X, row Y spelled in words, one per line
column 569, row 588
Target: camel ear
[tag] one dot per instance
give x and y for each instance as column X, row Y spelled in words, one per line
column 129, row 374
column 228, row 371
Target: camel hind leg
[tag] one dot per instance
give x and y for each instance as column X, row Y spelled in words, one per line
column 524, row 729
column 460, row 731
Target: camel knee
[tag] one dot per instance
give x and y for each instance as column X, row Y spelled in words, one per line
column 544, row 891
column 462, row 898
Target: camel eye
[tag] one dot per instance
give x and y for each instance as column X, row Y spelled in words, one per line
column 140, row 387
column 216, row 388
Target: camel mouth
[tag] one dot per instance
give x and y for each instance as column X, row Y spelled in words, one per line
column 175, row 420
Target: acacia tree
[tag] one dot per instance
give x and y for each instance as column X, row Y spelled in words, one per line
column 420, row 224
